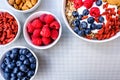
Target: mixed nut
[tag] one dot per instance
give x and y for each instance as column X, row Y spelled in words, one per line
column 22, row 4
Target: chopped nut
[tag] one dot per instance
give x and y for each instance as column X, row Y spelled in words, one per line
column 17, row 1
column 29, row 4
column 15, row 6
column 11, row 2
column 33, row 2
column 24, row 7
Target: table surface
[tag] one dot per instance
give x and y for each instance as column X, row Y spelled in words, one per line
column 71, row 58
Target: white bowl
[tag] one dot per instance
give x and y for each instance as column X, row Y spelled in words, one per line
column 26, row 35
column 85, row 39
column 3, row 56
column 19, row 29
column 24, row 11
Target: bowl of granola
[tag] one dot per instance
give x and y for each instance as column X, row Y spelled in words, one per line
column 92, row 20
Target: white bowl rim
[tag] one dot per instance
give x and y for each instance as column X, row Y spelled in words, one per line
column 19, row 28
column 24, row 11
column 4, row 53
column 85, row 39
column 47, row 46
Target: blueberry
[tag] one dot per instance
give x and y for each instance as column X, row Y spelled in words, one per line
column 15, row 50
column 85, row 12
column 80, row 17
column 83, row 25
column 30, row 73
column 76, row 29
column 98, row 2
column 76, row 23
column 15, row 70
column 81, row 33
column 90, row 20
column 99, row 26
column 8, row 54
column 22, row 57
column 7, row 70
column 101, row 19
column 93, row 26
column 24, row 68
column 19, row 63
column 88, row 31
column 13, row 75
column 7, row 60
column 13, row 78
column 11, row 65
column 6, row 76
column 13, row 55
column 32, row 60
column 24, row 51
column 25, row 78
column 3, row 66
column 75, row 13
column 33, row 66
column 26, row 62
column 29, row 55
column 20, row 74
column 18, row 78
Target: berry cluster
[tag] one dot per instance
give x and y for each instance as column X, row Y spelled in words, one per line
column 43, row 30
column 91, row 21
column 18, row 64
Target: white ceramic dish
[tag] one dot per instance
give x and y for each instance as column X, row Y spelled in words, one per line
column 3, row 55
column 24, row 11
column 95, row 41
column 19, row 28
column 26, row 35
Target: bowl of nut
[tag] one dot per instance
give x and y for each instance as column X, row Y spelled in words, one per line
column 92, row 20
column 23, row 6
column 42, row 30
column 9, row 28
column 18, row 63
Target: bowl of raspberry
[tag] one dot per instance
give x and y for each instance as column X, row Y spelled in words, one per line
column 42, row 30
column 92, row 20
column 18, row 63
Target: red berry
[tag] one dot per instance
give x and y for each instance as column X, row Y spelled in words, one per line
column 49, row 19
column 95, row 12
column 36, row 33
column 88, row 3
column 55, row 25
column 37, row 24
column 30, row 28
column 45, row 31
column 78, row 3
column 54, row 34
column 37, row 41
column 42, row 17
column 46, row 40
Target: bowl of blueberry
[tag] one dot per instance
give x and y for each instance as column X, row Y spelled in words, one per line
column 92, row 20
column 18, row 63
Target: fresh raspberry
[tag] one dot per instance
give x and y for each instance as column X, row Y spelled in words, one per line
column 36, row 33
column 49, row 19
column 95, row 12
column 54, row 34
column 78, row 3
column 37, row 41
column 30, row 28
column 45, row 31
column 55, row 25
column 46, row 40
column 88, row 3
column 42, row 17
column 37, row 24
